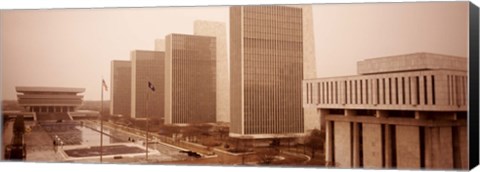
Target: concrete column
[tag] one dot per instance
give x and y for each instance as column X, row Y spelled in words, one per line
column 372, row 145
column 422, row 91
column 400, row 90
column 388, row 146
column 348, row 92
column 356, row 145
column 387, row 91
column 382, row 94
column 328, row 142
column 343, row 146
column 413, row 93
column 438, row 148
column 429, row 90
column 463, row 137
column 408, row 147
column 408, row 88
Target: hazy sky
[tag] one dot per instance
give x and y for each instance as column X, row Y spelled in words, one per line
column 73, row 48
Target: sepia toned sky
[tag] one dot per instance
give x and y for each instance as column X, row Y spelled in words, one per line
column 74, row 47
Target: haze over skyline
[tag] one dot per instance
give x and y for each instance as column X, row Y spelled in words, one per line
column 74, row 47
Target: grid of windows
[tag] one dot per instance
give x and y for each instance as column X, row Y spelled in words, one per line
column 413, row 88
column 193, row 71
column 120, row 87
column 272, row 70
column 147, row 67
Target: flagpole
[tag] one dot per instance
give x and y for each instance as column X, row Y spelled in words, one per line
column 146, row 135
column 101, row 124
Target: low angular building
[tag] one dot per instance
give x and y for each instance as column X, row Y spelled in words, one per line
column 190, row 89
column 50, row 103
column 407, row 112
column 147, row 66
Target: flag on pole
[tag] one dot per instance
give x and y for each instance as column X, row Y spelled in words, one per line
column 104, row 84
column 151, row 86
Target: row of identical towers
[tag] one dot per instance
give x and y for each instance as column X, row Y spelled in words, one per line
column 258, row 91
column 183, row 69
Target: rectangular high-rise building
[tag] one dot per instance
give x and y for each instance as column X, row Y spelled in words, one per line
column 271, row 51
column 120, row 87
column 190, row 90
column 147, row 66
column 219, row 31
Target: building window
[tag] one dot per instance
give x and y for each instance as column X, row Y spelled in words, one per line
column 366, row 91
column 433, row 90
column 403, row 90
column 345, row 92
column 390, row 91
column 378, row 91
column 336, row 92
column 396, row 90
column 417, row 90
column 356, row 92
column 361, row 92
column 384, row 91
column 350, row 88
column 425, row 92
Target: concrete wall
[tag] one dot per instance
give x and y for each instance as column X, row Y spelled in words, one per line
column 408, row 149
column 342, row 144
column 372, row 145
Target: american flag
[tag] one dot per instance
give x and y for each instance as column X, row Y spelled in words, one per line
column 104, row 85
column 151, row 86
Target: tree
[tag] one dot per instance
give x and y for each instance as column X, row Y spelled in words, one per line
column 267, row 156
column 315, row 140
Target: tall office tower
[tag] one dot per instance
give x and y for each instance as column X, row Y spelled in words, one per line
column 218, row 30
column 120, row 87
column 190, row 90
column 269, row 53
column 147, row 66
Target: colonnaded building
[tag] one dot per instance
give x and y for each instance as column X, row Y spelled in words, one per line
column 406, row 111
column 272, row 51
column 190, row 77
column 50, row 103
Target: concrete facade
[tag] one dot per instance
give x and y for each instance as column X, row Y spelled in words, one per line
column 412, row 113
column 190, row 90
column 219, row 31
column 147, row 66
column 49, row 99
column 268, row 52
column 120, row 88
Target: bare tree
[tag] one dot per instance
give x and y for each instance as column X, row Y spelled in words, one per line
column 315, row 140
